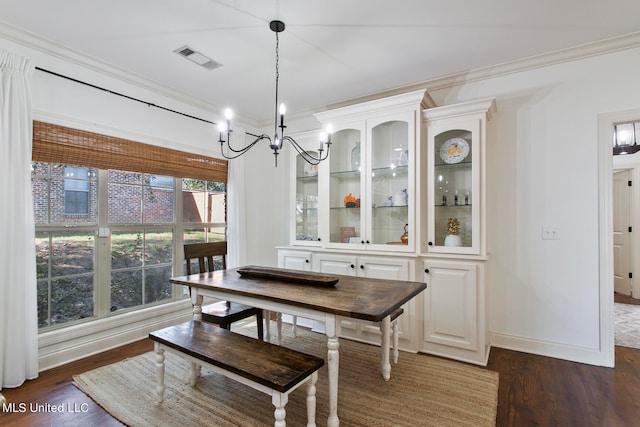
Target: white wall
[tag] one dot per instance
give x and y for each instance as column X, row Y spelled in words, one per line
column 542, row 169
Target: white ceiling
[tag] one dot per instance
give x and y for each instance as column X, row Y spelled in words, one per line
column 331, row 50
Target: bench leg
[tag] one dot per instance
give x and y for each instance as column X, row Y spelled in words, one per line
column 159, row 372
column 194, row 374
column 311, row 400
column 279, row 400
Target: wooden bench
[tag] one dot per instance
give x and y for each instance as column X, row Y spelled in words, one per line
column 266, row 367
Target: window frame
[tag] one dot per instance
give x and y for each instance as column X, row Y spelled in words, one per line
column 55, row 144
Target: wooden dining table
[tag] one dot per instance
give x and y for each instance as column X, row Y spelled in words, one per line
column 294, row 292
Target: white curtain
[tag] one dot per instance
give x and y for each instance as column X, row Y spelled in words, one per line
column 236, row 222
column 18, row 304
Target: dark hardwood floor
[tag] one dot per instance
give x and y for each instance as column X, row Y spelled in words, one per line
column 624, row 299
column 534, row 391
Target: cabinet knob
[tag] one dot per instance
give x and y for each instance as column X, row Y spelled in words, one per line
column 362, row 241
column 368, row 242
column 362, row 266
column 353, row 266
column 430, row 243
column 319, row 239
column 426, row 270
column 306, row 260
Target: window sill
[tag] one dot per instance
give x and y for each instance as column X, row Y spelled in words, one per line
column 65, row 345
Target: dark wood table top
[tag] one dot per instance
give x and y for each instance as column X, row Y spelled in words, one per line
column 355, row 297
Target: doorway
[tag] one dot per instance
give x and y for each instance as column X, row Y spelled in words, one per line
column 626, row 304
column 622, row 232
column 606, row 124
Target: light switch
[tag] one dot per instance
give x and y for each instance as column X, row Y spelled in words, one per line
column 550, row 232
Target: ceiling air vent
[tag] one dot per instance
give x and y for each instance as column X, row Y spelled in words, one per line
column 195, row 56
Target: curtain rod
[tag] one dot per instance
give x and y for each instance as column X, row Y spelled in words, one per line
column 149, row 104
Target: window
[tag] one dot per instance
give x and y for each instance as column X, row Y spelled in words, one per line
column 142, row 228
column 76, row 190
column 106, row 235
column 203, row 214
column 204, row 210
column 142, row 224
column 65, row 246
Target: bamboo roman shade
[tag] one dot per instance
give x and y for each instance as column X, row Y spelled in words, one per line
column 60, row 144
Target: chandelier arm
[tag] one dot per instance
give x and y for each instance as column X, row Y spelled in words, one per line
column 240, row 152
column 306, row 156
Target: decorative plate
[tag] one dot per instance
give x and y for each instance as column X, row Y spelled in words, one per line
column 454, row 150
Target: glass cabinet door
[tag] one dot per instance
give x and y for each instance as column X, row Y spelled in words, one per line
column 389, row 183
column 345, row 187
column 306, row 204
column 454, row 218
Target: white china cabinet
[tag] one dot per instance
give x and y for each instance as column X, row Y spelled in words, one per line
column 402, row 196
column 304, row 190
column 367, row 197
column 453, row 242
column 452, row 181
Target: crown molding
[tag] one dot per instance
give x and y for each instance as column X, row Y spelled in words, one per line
column 64, row 53
column 56, row 50
column 601, row 47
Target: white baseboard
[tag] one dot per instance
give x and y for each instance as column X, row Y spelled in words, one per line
column 65, row 345
column 590, row 356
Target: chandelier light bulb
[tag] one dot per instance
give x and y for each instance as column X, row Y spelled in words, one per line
column 228, row 114
column 282, row 109
column 222, row 127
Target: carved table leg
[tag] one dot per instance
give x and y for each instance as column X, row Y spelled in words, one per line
column 394, row 332
column 384, row 348
column 279, row 400
column 267, row 329
column 332, row 330
column 196, row 300
column 294, row 326
column 311, row 400
column 279, row 327
column 159, row 372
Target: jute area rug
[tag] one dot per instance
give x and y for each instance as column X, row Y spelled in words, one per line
column 423, row 391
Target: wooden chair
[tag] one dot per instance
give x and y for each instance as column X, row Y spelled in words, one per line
column 222, row 313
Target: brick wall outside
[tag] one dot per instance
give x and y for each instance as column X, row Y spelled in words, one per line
column 49, row 179
column 127, row 196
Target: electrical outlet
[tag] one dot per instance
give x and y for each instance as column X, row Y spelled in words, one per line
column 550, row 232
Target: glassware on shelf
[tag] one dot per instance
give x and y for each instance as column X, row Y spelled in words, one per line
column 355, row 157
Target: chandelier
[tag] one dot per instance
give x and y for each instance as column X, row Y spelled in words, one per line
column 279, row 137
column 624, row 139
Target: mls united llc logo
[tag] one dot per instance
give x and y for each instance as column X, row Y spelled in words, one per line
column 23, row 407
